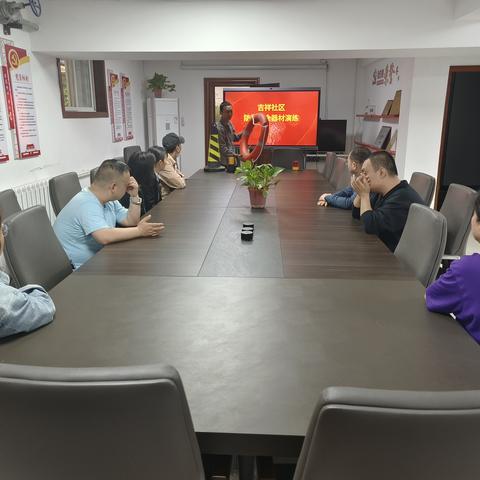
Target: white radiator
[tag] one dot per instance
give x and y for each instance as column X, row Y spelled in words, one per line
column 35, row 193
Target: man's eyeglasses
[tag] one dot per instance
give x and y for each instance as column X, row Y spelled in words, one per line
column 4, row 230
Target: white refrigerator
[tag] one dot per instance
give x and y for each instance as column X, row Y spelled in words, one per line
column 162, row 118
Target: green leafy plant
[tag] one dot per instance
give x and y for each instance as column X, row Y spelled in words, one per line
column 259, row 177
column 160, row 82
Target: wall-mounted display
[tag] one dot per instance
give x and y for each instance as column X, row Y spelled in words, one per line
column 388, row 106
column 383, row 137
column 395, row 109
column 392, row 144
column 386, row 76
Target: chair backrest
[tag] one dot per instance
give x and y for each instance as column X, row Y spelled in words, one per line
column 108, row 423
column 422, row 243
column 129, row 151
column 62, row 189
column 329, row 165
column 424, row 185
column 32, row 251
column 93, row 171
column 366, row 434
column 8, row 203
column 340, row 174
column 344, row 180
column 458, row 210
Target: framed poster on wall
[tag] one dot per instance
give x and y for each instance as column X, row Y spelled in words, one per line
column 383, row 137
column 115, row 103
column 4, row 156
column 127, row 107
column 6, row 84
column 20, row 77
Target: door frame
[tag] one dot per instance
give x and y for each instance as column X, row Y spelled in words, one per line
column 209, row 85
column 446, row 123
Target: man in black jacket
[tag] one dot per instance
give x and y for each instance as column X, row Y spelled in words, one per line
column 227, row 134
column 385, row 214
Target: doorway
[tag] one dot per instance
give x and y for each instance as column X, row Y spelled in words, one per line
column 460, row 143
column 213, row 96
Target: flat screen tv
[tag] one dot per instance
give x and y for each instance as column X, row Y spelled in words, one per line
column 292, row 113
column 332, row 135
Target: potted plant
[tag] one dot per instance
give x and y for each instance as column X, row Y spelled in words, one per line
column 158, row 83
column 258, row 179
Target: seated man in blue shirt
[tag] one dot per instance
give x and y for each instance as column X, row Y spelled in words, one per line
column 24, row 309
column 344, row 198
column 88, row 221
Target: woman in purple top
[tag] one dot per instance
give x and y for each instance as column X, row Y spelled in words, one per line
column 457, row 291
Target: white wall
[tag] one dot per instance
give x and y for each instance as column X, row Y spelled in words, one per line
column 338, row 27
column 429, row 88
column 341, row 95
column 378, row 95
column 421, row 117
column 69, row 144
column 337, row 97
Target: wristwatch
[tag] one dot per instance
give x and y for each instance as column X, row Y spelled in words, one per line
column 136, row 200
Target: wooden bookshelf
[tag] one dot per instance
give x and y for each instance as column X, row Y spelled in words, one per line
column 370, row 118
column 377, row 118
column 373, row 147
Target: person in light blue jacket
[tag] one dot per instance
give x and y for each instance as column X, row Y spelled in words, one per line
column 24, row 309
column 344, row 198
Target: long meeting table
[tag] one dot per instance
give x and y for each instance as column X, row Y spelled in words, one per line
column 256, row 329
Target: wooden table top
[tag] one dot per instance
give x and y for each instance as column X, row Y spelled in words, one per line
column 293, row 237
column 256, row 330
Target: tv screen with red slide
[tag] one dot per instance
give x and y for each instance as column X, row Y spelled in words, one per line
column 292, row 114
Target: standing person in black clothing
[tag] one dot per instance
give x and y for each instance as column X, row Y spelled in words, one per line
column 386, row 213
column 227, row 134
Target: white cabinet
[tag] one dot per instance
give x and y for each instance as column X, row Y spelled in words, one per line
column 162, row 117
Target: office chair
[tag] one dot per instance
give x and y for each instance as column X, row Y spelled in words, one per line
column 365, row 434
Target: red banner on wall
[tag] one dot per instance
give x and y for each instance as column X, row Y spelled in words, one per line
column 21, row 95
column 127, row 107
column 115, row 103
column 8, row 98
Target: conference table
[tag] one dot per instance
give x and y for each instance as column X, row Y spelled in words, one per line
column 256, row 329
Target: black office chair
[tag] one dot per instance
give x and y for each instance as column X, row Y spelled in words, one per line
column 129, row 151
column 424, row 185
column 103, row 423
column 8, row 203
column 364, row 434
column 62, row 189
column 458, row 210
column 422, row 244
column 32, row 251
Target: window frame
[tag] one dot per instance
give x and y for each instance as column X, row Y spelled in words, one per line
column 92, row 87
column 99, row 91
